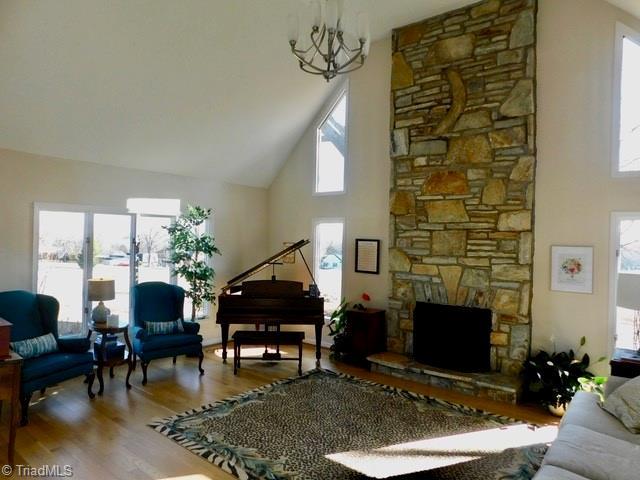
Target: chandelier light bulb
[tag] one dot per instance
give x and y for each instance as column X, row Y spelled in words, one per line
column 363, row 26
column 317, row 13
column 340, row 7
column 365, row 49
column 293, row 28
column 332, row 14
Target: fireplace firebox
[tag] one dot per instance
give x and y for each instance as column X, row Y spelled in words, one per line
column 452, row 337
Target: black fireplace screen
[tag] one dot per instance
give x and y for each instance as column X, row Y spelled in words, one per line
column 452, row 337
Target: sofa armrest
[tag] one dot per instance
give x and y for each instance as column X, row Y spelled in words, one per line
column 139, row 333
column 74, row 344
column 613, row 383
column 191, row 328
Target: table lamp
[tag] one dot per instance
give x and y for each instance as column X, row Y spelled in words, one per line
column 101, row 289
column 629, row 297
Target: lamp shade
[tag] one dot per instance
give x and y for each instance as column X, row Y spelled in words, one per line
column 102, row 289
column 628, row 291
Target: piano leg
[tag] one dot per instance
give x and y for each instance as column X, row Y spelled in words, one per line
column 225, row 338
column 318, row 342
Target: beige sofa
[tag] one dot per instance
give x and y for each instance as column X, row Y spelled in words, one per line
column 592, row 444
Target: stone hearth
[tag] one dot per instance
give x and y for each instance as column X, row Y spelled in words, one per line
column 462, row 177
column 493, row 385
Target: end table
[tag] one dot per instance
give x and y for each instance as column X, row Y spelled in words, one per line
column 10, row 371
column 366, row 331
column 100, row 358
column 625, row 363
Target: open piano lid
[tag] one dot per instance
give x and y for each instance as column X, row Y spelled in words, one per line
column 262, row 265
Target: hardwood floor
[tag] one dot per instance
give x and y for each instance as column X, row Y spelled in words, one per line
column 107, row 438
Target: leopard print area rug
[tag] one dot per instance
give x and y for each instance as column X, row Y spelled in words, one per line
column 299, row 428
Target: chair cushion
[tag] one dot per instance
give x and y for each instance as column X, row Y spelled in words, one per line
column 35, row 347
column 74, row 344
column 21, row 309
column 53, row 362
column 53, row 378
column 161, row 342
column 164, row 328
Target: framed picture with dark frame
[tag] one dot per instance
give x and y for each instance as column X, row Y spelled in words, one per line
column 367, row 255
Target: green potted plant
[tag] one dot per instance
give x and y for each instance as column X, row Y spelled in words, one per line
column 191, row 249
column 553, row 379
column 337, row 325
column 594, row 385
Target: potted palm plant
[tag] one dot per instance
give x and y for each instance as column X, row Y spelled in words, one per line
column 337, row 325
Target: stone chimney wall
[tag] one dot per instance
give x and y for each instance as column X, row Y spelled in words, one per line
column 463, row 162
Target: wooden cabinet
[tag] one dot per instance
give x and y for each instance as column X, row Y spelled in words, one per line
column 625, row 363
column 10, row 370
column 366, row 334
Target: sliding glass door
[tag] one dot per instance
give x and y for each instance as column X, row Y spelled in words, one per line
column 60, row 264
column 111, row 259
column 74, row 246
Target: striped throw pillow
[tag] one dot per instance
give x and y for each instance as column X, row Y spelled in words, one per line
column 164, row 328
column 34, row 347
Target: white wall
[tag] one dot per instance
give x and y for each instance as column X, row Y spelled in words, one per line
column 239, row 213
column 365, row 205
column 575, row 193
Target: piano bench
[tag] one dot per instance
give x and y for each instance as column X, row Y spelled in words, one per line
column 262, row 337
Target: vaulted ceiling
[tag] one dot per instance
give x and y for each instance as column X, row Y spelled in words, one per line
column 631, row 6
column 194, row 87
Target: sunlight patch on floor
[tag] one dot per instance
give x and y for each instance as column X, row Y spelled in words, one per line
column 423, row 455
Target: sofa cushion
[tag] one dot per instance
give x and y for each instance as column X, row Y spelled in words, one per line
column 613, row 383
column 593, row 455
column 53, row 362
column 35, row 347
column 160, row 342
column 624, row 404
column 549, row 472
column 585, row 411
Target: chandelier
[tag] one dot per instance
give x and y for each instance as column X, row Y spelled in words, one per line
column 328, row 53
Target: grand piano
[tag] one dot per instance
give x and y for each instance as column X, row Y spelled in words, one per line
column 257, row 302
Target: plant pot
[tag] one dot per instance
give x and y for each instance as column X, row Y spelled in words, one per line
column 558, row 410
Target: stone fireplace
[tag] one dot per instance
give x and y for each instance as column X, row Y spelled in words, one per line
column 462, row 179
